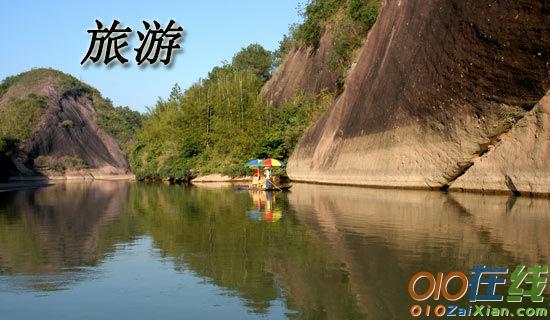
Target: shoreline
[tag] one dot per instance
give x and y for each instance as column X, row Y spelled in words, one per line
column 37, row 182
column 113, row 177
column 17, row 186
column 477, row 191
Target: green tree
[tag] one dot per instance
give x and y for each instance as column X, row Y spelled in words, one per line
column 220, row 122
column 256, row 58
column 121, row 123
column 175, row 94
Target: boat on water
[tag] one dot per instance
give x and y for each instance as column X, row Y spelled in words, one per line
column 263, row 178
column 284, row 187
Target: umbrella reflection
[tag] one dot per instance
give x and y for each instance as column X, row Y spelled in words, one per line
column 266, row 208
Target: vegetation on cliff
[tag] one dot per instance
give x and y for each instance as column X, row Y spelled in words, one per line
column 348, row 21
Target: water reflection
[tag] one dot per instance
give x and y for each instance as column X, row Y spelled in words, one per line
column 54, row 230
column 333, row 253
column 384, row 236
column 266, row 208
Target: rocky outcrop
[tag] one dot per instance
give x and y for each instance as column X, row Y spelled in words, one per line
column 304, row 71
column 66, row 130
column 519, row 162
column 437, row 85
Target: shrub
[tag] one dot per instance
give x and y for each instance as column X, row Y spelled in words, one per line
column 66, row 124
column 8, row 146
column 19, row 117
column 290, row 122
column 60, row 164
column 349, row 21
column 510, row 115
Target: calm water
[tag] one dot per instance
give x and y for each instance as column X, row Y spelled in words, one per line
column 116, row 250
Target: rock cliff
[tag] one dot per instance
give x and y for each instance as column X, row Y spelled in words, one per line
column 305, row 70
column 55, row 123
column 444, row 94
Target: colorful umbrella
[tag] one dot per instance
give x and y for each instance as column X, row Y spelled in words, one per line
column 254, row 163
column 272, row 163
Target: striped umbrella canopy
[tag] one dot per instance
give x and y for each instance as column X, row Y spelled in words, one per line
column 272, row 163
column 254, row 163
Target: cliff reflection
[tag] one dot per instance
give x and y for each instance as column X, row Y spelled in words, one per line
column 47, row 235
column 385, row 236
column 51, row 229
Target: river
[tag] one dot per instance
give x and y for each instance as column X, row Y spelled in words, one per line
column 119, row 250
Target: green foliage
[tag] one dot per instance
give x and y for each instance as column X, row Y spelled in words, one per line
column 348, row 20
column 29, row 79
column 510, row 115
column 60, row 165
column 290, row 122
column 254, row 58
column 120, row 122
column 8, row 149
column 67, row 84
column 349, row 31
column 207, row 128
column 19, row 117
column 216, row 125
column 316, row 15
column 285, row 46
column 364, row 13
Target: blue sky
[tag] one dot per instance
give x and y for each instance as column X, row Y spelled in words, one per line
column 53, row 34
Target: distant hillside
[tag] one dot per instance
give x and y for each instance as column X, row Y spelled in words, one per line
column 52, row 124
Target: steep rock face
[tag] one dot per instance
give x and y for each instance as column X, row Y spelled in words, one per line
column 304, row 71
column 67, row 128
column 437, row 84
column 84, row 139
